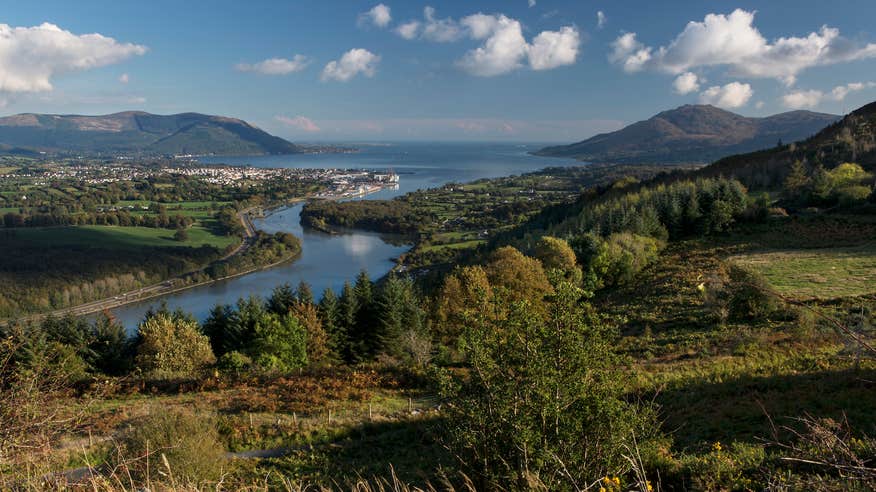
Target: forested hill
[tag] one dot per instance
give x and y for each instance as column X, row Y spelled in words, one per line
column 839, row 161
column 139, row 132
column 852, row 139
column 693, row 134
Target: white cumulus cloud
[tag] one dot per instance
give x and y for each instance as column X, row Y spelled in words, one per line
column 552, row 49
column 686, row 83
column 803, row 99
column 380, row 15
column 439, row 30
column 628, row 52
column 354, row 62
column 733, row 41
column 275, row 66
column 299, row 122
column 504, row 48
column 840, row 92
column 732, row 95
column 31, row 56
column 800, row 99
column 409, row 30
column 600, row 19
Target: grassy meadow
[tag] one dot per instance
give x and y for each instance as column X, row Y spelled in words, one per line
column 115, row 237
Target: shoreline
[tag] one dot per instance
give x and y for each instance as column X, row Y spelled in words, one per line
column 99, row 305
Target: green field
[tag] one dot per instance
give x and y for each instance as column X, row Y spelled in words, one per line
column 120, row 237
column 817, row 273
column 7, row 170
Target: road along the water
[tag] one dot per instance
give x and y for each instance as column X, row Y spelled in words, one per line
column 327, row 260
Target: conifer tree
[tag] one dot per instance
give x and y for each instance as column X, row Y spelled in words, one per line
column 330, row 314
column 303, row 293
column 281, row 299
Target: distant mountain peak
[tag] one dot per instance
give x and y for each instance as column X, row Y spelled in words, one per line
column 693, row 133
column 140, row 132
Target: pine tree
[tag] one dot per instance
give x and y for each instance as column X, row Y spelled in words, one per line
column 111, row 347
column 348, row 308
column 822, row 185
column 365, row 333
column 330, row 314
column 391, row 314
column 281, row 299
column 303, row 293
column 220, row 327
column 797, row 182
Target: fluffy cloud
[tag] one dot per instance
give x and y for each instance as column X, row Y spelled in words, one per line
column 439, row 30
column 840, row 92
column 809, row 99
column 124, row 78
column 531, row 3
column 733, row 41
column 732, row 95
column 803, row 99
column 354, row 62
column 628, row 52
column 600, row 19
column 409, row 30
column 686, row 83
column 431, row 28
column 31, row 56
column 380, row 16
column 504, row 47
column 299, row 122
column 275, row 66
column 552, row 49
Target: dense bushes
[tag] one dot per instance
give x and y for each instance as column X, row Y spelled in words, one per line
column 393, row 216
column 614, row 260
column 542, row 407
column 846, row 185
column 170, row 345
column 175, row 448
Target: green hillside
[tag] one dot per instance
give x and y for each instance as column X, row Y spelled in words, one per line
column 138, row 132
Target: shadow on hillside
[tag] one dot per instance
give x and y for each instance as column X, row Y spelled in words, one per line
column 737, row 409
column 410, row 447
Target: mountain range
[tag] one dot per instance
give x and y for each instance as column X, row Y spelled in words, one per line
column 135, row 132
column 693, row 134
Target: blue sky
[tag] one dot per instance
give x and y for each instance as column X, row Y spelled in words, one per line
column 521, row 72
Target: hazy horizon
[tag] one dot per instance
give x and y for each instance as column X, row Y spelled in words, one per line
column 528, row 70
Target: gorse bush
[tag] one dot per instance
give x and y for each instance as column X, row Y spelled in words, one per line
column 541, row 404
column 750, row 295
column 175, row 448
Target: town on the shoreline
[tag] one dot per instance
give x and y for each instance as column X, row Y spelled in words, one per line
column 335, row 183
